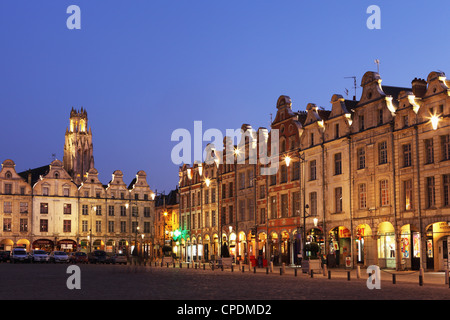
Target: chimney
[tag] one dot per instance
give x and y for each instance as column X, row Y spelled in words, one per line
column 419, row 87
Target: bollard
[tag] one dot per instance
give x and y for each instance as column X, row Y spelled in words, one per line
column 446, row 276
column 232, row 268
column 267, row 270
column 329, row 274
column 167, row 265
column 312, row 273
column 421, row 277
column 394, row 280
column 295, row 272
column 358, row 272
column 181, row 265
column 173, row 265
column 254, row 269
column 188, row 265
column 348, row 275
column 222, row 267
column 243, row 268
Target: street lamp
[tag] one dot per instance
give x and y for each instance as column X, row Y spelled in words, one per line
column 434, row 121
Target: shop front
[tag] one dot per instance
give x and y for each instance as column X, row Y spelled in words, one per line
column 122, row 246
column 410, row 247
column 274, row 248
column 285, row 248
column 362, row 231
column 23, row 243
column 242, row 247
column 67, row 245
column 43, row 244
column 206, row 246
column 6, row 245
column 232, row 247
column 315, row 243
column 98, row 245
column 262, row 242
column 298, row 250
column 386, row 246
column 437, row 246
column 340, row 246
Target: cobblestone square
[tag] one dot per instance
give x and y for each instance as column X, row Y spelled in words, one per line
column 113, row 282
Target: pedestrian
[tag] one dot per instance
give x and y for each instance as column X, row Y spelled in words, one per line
column 135, row 256
column 299, row 258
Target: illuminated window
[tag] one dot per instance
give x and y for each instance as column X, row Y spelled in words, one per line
column 362, row 190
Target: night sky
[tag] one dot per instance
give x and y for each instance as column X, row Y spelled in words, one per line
column 144, row 68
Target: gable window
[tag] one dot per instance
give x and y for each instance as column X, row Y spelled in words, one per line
column 361, row 158
column 431, row 196
column 382, row 152
column 429, row 151
column 67, row 208
column 445, row 147
column 337, row 164
column 8, row 188
column 407, row 155
column 312, row 170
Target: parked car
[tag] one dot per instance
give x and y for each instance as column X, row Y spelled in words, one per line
column 98, row 256
column 19, row 255
column 4, row 256
column 78, row 257
column 39, row 256
column 119, row 258
column 59, row 257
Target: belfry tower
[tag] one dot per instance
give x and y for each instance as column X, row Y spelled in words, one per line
column 78, row 149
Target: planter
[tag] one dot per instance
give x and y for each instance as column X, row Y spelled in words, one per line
column 314, row 265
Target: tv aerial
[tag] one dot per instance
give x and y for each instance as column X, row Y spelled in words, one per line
column 355, row 86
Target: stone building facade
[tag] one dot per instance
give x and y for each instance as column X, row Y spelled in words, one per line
column 367, row 182
column 65, row 206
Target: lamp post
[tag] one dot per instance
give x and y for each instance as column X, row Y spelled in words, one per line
column 94, row 208
column 126, row 208
column 163, row 195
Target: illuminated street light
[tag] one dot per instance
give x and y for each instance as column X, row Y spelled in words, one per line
column 434, row 121
column 288, row 160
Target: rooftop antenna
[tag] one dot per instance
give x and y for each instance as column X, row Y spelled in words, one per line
column 53, row 156
column 355, row 86
column 378, row 65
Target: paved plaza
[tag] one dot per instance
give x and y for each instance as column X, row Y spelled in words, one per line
column 110, row 282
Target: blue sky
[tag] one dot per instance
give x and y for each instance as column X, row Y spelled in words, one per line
column 144, row 68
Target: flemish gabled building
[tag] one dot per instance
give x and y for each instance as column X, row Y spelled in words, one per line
column 55, row 210
column 16, row 208
column 64, row 206
column 167, row 223
column 283, row 187
column 365, row 183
